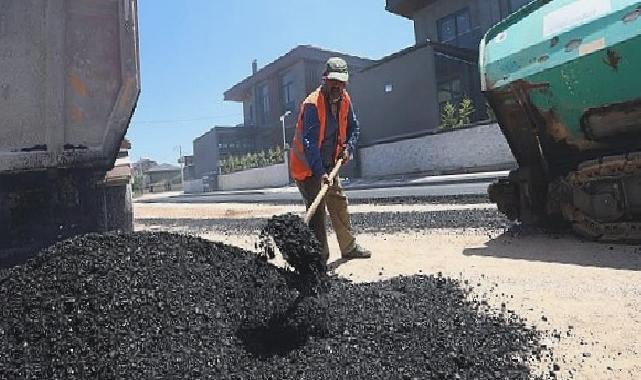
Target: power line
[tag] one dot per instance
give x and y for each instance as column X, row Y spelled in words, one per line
column 185, row 120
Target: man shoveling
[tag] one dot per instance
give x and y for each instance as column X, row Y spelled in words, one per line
column 327, row 131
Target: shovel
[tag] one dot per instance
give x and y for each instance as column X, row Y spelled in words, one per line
column 323, row 190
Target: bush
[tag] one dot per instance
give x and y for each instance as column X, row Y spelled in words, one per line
column 456, row 116
column 465, row 111
column 448, row 117
column 253, row 160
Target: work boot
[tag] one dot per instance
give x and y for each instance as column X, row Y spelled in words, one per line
column 357, row 252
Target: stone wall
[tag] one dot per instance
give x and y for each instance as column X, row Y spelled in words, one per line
column 464, row 150
column 270, row 176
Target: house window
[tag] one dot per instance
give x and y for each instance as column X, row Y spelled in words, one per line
column 449, row 92
column 515, row 5
column 287, row 92
column 263, row 95
column 507, row 7
column 453, row 27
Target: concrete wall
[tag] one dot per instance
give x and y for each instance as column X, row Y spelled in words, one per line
column 194, row 186
column 270, row 176
column 206, row 154
column 411, row 106
column 464, row 150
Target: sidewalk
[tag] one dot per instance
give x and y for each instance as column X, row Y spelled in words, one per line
column 370, row 183
column 422, row 180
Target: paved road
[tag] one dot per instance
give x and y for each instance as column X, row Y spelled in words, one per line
column 290, row 194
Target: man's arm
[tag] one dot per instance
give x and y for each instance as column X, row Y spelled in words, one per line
column 311, row 131
column 353, row 131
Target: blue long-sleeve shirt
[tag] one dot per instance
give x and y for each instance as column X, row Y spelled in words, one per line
column 311, row 133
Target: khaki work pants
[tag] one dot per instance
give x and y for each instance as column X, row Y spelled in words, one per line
column 336, row 203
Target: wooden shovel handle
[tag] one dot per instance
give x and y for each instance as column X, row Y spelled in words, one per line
column 323, row 190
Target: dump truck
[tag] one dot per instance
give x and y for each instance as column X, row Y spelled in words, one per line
column 69, row 84
column 562, row 78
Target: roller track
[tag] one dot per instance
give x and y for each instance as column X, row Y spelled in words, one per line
column 603, row 198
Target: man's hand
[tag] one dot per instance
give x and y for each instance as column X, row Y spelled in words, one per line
column 325, row 179
column 345, row 155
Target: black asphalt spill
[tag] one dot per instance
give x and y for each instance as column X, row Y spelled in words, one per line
column 299, row 248
column 164, row 306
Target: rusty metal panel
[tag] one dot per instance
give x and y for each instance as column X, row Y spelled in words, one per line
column 69, row 82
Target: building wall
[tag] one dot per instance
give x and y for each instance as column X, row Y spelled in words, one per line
column 465, row 150
column 206, row 154
column 306, row 77
column 411, row 106
column 467, row 73
column 297, row 74
column 249, row 109
column 425, row 20
column 483, row 14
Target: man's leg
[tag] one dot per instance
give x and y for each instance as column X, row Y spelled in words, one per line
column 337, row 207
column 309, row 189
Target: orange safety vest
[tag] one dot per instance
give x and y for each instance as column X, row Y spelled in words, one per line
column 298, row 165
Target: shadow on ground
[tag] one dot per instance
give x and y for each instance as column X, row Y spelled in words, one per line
column 336, row 264
column 562, row 248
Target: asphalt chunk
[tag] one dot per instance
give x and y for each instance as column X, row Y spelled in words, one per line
column 159, row 306
column 299, row 248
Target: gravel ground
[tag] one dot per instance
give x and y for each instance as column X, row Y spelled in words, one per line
column 161, row 306
column 370, row 222
column 585, row 296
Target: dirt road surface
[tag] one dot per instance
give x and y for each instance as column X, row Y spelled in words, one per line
column 587, row 296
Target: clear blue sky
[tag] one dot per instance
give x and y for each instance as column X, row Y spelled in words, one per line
column 194, row 50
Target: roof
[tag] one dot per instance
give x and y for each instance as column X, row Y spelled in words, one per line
column 450, row 51
column 406, row 8
column 221, row 129
column 307, row 52
column 164, row 168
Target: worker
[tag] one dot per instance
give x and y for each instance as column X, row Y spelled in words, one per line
column 327, row 129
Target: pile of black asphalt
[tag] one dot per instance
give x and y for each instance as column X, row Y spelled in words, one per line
column 166, row 306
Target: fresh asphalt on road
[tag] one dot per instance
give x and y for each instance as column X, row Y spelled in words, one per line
column 437, row 186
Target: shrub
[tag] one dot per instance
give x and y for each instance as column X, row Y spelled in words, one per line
column 465, row 111
column 455, row 116
column 448, row 117
column 253, row 160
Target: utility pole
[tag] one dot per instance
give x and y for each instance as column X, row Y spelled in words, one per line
column 282, row 121
column 181, row 161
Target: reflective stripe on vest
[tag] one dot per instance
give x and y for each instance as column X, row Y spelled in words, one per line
column 299, row 167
